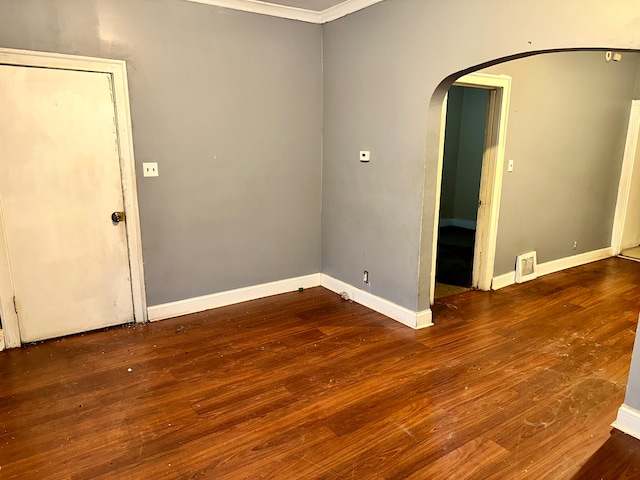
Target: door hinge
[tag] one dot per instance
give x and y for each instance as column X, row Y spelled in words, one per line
column 15, row 304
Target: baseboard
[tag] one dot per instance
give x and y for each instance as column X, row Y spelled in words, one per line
column 573, row 261
column 554, row 266
column 392, row 310
column 502, row 281
column 457, row 222
column 1, row 340
column 628, row 421
column 403, row 315
column 207, row 302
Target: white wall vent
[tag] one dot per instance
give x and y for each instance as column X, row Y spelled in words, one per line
column 526, row 267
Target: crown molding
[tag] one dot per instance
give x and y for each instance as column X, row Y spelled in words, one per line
column 291, row 13
column 265, row 8
column 345, row 8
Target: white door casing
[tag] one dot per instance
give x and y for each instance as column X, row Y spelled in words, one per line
column 39, row 297
column 626, row 221
column 493, row 162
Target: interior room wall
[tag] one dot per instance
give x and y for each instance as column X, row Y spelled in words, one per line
column 632, row 397
column 472, row 137
column 451, row 149
column 463, row 151
column 387, row 69
column 567, row 127
column 230, row 106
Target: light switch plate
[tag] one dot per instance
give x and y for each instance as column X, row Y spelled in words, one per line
column 365, row 155
column 150, row 169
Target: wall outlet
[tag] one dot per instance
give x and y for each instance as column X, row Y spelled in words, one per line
column 365, row 277
column 575, row 244
column 150, row 169
column 510, row 166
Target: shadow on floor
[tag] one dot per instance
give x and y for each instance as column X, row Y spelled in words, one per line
column 454, row 264
column 617, row 458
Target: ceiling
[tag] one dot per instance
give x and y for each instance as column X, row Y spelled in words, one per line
column 312, row 11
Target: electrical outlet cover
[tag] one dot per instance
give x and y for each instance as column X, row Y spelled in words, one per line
column 150, row 169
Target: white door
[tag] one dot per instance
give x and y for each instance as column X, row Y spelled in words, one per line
column 59, row 184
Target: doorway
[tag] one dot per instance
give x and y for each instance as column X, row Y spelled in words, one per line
column 465, row 133
column 625, row 239
column 66, row 264
column 478, row 244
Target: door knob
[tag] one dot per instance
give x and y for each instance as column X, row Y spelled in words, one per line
column 117, row 217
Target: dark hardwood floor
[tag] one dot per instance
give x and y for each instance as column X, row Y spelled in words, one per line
column 519, row 383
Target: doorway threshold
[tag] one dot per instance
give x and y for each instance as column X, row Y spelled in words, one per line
column 631, row 254
column 444, row 290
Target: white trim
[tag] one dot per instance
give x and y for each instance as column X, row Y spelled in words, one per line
column 415, row 320
column 624, row 187
column 457, row 222
column 554, row 266
column 403, row 315
column 573, row 261
column 230, row 297
column 292, row 13
column 11, row 327
column 504, row 280
column 118, row 71
column 628, row 420
column 266, row 8
column 492, row 170
column 344, row 9
column 1, row 340
column 491, row 177
column 436, row 216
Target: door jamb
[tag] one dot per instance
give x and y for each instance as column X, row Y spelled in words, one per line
column 491, row 177
column 624, row 188
column 118, row 71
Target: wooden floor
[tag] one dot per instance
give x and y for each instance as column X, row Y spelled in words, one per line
column 519, row 383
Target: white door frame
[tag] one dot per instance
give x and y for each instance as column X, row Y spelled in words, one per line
column 624, row 188
column 118, row 71
column 493, row 161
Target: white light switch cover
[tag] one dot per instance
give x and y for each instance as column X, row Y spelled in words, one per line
column 150, row 169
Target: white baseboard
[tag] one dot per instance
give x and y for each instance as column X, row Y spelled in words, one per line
column 198, row 304
column 573, row 261
column 1, row 340
column 392, row 310
column 502, row 281
column 554, row 266
column 457, row 222
column 628, row 421
column 230, row 297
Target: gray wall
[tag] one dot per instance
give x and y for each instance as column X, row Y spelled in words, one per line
column 451, row 150
column 387, row 69
column 567, row 127
column 632, row 398
column 229, row 104
column 463, row 151
column 472, row 136
column 376, row 99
